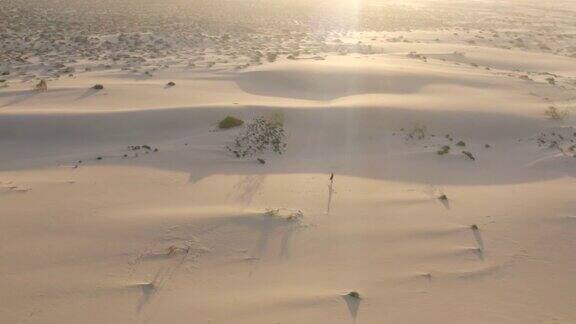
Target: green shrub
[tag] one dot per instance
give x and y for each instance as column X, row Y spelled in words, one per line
column 230, row 122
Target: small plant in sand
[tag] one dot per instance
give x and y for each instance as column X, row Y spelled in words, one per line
column 98, row 87
column 354, row 294
column 272, row 212
column 271, row 57
column 41, row 86
column 295, row 216
column 444, row 150
column 556, row 114
column 173, row 250
column 261, row 135
column 419, row 132
column 230, row 122
column 469, row 155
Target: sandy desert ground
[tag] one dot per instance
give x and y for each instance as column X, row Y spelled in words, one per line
column 422, row 179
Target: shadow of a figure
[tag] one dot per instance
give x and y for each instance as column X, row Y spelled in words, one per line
column 148, row 291
column 478, row 237
column 21, row 98
column 445, row 203
column 289, row 230
column 248, row 188
column 86, row 94
column 353, row 304
column 330, row 192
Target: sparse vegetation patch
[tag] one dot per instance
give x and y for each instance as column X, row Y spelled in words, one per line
column 261, row 135
column 556, row 114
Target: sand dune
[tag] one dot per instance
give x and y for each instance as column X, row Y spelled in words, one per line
column 424, row 177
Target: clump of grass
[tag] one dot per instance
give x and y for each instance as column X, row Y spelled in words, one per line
column 171, row 84
column 142, row 147
column 272, row 212
column 354, row 294
column 41, row 86
column 469, row 155
column 461, row 143
column 295, row 217
column 261, row 135
column 230, row 122
column 172, row 250
column 443, row 197
column 98, row 87
column 555, row 113
column 419, row 132
column 271, row 57
column 444, row 150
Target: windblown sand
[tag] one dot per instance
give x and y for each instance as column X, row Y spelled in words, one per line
column 94, row 230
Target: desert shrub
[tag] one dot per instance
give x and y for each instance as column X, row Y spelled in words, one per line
column 419, row 132
column 296, row 216
column 291, row 216
column 41, row 86
column 272, row 212
column 261, row 135
column 469, row 155
column 555, row 113
column 444, row 150
column 98, row 87
column 271, row 57
column 230, row 122
column 171, row 84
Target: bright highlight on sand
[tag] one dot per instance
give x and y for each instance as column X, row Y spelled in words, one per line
column 192, row 161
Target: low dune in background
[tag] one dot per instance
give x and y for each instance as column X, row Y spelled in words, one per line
column 124, row 205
